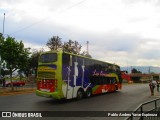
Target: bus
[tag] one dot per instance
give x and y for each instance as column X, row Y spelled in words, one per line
column 62, row 75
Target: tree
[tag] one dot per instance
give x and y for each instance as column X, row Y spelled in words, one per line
column 33, row 61
column 1, row 41
column 67, row 47
column 72, row 47
column 86, row 54
column 135, row 71
column 54, row 43
column 15, row 55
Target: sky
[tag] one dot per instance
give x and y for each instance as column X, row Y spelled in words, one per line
column 125, row 32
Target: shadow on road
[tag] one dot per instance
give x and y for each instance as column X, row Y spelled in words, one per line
column 52, row 101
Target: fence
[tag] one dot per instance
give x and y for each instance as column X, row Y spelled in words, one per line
column 147, row 111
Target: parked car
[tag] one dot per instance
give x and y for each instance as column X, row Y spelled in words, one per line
column 15, row 83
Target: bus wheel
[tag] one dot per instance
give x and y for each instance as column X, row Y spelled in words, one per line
column 89, row 92
column 80, row 94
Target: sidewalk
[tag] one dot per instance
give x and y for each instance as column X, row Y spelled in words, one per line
column 156, row 93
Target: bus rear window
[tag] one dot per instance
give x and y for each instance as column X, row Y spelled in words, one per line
column 48, row 57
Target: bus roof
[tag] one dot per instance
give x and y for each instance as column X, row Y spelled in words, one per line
column 79, row 56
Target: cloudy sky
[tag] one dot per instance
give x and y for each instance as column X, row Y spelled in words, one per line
column 125, row 32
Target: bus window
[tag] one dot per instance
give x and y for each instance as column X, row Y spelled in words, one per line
column 48, row 57
column 94, row 80
column 80, row 61
column 101, row 80
column 105, row 80
column 66, row 59
column 112, row 80
column 87, row 62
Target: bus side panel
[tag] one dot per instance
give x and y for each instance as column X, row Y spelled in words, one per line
column 77, row 72
column 75, row 75
column 59, row 75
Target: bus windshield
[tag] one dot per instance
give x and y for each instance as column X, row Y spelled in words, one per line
column 48, row 57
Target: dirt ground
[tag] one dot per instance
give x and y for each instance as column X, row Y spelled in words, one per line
column 6, row 91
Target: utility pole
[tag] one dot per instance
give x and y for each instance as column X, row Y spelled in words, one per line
column 149, row 70
column 87, row 48
column 0, row 43
column 3, row 23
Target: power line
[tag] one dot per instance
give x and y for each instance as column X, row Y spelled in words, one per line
column 35, row 23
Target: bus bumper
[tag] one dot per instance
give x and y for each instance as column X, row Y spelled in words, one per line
column 48, row 94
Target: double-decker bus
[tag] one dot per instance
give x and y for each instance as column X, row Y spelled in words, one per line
column 66, row 75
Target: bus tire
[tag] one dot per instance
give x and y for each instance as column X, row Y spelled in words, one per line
column 80, row 94
column 88, row 92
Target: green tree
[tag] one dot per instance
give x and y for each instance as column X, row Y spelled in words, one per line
column 15, row 55
column 135, row 71
column 1, row 41
column 33, row 61
column 72, row 47
column 86, row 54
column 54, row 43
column 68, row 46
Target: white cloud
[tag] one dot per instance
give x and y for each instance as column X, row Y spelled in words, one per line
column 121, row 31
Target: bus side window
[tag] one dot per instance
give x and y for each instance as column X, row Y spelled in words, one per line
column 96, row 81
column 103, row 68
column 80, row 61
column 66, row 59
column 105, row 80
column 93, row 80
column 108, row 80
column 99, row 80
column 113, row 80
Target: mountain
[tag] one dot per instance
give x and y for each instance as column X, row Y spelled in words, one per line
column 143, row 69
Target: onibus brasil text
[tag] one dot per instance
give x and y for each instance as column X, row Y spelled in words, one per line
column 21, row 114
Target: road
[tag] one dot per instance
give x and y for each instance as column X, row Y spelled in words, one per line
column 127, row 99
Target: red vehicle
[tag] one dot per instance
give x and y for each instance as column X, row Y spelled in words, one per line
column 15, row 83
column 126, row 76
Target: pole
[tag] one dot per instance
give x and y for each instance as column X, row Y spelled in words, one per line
column 87, row 47
column 3, row 23
column 3, row 35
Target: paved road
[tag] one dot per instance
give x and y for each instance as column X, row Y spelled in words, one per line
column 125, row 100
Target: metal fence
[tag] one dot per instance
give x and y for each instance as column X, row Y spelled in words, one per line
column 147, row 111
